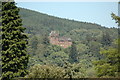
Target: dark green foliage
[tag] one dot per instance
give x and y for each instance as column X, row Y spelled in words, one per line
column 117, row 19
column 73, row 53
column 110, row 64
column 106, row 39
column 34, row 42
column 76, row 70
column 88, row 38
column 14, row 54
column 54, row 55
column 46, row 40
column 0, row 38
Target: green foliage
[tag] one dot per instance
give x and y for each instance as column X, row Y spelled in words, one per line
column 0, row 38
column 88, row 38
column 34, row 42
column 82, row 48
column 43, row 24
column 106, row 39
column 76, row 70
column 45, row 71
column 58, row 58
column 73, row 53
column 54, row 55
column 52, row 71
column 110, row 64
column 46, row 40
column 14, row 53
column 117, row 18
column 90, row 72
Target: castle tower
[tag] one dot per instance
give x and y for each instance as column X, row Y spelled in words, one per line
column 53, row 36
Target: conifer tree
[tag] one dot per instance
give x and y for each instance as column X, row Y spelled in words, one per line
column 0, row 39
column 14, row 43
column 73, row 53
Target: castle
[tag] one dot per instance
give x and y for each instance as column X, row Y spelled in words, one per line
column 55, row 39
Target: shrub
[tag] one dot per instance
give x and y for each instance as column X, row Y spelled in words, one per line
column 46, row 71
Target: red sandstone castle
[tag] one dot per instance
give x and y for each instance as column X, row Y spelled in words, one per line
column 55, row 39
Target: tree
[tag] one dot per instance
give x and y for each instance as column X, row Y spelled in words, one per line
column 75, row 70
column 34, row 42
column 117, row 19
column 14, row 43
column 108, row 67
column 46, row 71
column 111, row 63
column 73, row 53
column 46, row 40
column 106, row 39
column 0, row 38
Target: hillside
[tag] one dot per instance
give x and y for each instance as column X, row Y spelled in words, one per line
column 88, row 40
column 42, row 22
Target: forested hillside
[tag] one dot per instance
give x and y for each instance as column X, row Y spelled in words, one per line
column 44, row 22
column 88, row 39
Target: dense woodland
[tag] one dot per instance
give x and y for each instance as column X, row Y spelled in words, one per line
column 89, row 41
column 94, row 52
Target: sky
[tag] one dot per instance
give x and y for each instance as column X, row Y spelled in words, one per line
column 94, row 12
